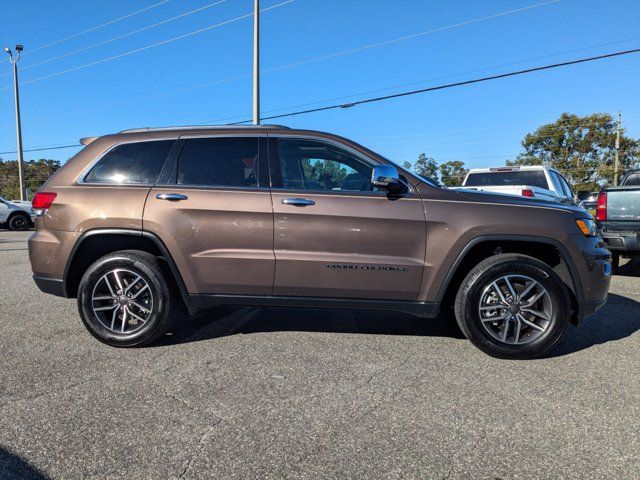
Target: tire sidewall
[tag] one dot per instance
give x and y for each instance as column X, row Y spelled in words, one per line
column 559, row 301
column 158, row 289
column 18, row 218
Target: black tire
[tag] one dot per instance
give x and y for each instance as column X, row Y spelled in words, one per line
column 477, row 283
column 19, row 222
column 161, row 302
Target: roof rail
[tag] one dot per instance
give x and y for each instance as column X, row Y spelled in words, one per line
column 199, row 127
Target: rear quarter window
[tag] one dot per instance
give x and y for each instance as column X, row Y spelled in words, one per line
column 532, row 178
column 632, row 179
column 131, row 163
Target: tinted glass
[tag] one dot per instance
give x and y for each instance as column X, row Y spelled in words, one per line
column 632, row 179
column 309, row 165
column 565, row 185
column 131, row 163
column 557, row 183
column 531, row 178
column 219, row 162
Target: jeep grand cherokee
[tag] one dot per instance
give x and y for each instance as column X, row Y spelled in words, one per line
column 143, row 220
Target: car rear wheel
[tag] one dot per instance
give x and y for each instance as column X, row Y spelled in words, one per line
column 513, row 306
column 124, row 299
column 19, row 222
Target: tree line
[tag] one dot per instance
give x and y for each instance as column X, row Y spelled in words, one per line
column 35, row 172
column 581, row 148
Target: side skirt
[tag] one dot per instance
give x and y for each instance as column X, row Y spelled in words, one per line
column 418, row 309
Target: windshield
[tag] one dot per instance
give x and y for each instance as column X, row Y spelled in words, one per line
column 534, row 178
column 429, row 181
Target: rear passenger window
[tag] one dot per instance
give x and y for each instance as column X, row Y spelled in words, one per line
column 131, row 163
column 219, row 162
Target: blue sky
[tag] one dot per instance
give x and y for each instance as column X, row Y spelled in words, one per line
column 481, row 124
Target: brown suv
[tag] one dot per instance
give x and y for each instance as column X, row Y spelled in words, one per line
column 143, row 220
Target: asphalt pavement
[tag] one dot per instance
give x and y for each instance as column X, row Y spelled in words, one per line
column 293, row 393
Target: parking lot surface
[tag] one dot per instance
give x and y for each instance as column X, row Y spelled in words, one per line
column 291, row 393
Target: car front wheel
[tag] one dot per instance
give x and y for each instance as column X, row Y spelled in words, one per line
column 124, row 299
column 513, row 306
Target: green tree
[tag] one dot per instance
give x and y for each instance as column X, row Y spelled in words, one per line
column 582, row 148
column 426, row 167
column 452, row 173
column 325, row 172
column 36, row 172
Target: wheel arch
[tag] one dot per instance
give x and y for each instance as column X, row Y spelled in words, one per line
column 96, row 243
column 550, row 251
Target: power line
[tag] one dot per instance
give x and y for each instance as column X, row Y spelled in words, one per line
column 413, row 35
column 118, row 37
column 42, row 149
column 291, row 65
column 163, row 42
column 110, row 22
column 380, row 89
column 423, row 90
column 393, row 145
column 450, row 85
column 350, row 51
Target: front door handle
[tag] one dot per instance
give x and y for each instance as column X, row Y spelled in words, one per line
column 298, row 202
column 172, row 197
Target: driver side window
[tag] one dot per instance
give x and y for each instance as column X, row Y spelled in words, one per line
column 316, row 166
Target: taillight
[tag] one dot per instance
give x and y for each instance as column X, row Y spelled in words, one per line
column 43, row 200
column 527, row 192
column 601, row 207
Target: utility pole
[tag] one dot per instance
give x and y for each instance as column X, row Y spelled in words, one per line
column 616, row 164
column 256, row 62
column 14, row 62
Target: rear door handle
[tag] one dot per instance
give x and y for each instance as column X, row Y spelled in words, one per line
column 172, row 197
column 298, row 202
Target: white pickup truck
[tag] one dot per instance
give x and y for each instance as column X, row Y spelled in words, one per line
column 16, row 215
column 535, row 181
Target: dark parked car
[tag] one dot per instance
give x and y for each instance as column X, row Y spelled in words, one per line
column 143, row 220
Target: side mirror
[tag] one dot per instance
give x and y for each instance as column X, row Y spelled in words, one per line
column 386, row 177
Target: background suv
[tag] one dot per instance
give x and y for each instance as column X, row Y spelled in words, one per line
column 143, row 220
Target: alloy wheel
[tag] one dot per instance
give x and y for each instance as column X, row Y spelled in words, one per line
column 515, row 309
column 122, row 301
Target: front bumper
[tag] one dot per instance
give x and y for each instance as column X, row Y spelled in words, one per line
column 593, row 264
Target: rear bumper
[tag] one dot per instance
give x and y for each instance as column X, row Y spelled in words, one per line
column 622, row 241
column 53, row 286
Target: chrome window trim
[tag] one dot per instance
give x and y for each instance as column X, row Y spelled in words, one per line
column 83, row 174
column 338, row 193
column 365, row 159
column 176, row 186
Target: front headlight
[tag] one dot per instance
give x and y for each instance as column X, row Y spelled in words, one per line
column 587, row 227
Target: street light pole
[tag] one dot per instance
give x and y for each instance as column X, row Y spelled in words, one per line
column 256, row 62
column 14, row 62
